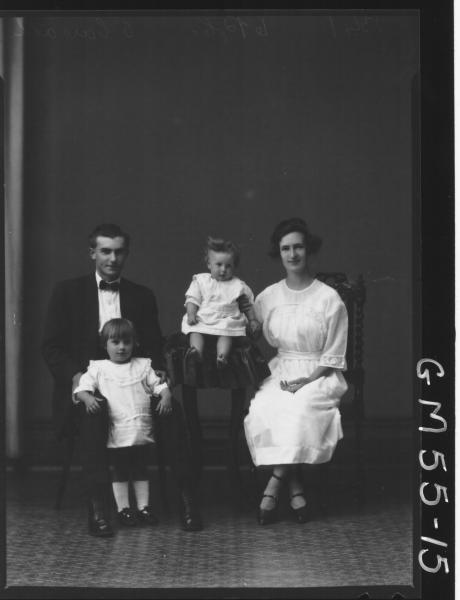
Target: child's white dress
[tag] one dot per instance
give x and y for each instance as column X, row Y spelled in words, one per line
column 128, row 388
column 217, row 301
column 309, row 328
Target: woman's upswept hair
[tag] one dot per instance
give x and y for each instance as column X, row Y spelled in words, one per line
column 220, row 245
column 297, row 225
column 118, row 329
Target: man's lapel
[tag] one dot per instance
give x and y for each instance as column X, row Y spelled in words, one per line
column 91, row 308
column 126, row 301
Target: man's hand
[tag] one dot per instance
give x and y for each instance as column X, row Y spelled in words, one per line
column 162, row 375
column 76, row 380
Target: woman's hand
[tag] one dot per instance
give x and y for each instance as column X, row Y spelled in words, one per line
column 255, row 329
column 294, row 385
column 164, row 406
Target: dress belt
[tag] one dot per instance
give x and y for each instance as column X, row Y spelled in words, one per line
column 292, row 355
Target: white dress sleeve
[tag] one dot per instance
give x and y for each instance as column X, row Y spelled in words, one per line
column 336, row 337
column 260, row 307
column 88, row 381
column 193, row 294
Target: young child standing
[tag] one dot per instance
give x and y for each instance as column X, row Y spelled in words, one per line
column 127, row 383
column 212, row 303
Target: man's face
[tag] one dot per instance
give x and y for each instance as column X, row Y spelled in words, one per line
column 109, row 255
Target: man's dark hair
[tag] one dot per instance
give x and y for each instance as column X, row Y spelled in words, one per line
column 107, row 230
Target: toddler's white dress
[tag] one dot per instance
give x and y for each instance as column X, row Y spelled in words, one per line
column 309, row 328
column 217, row 301
column 128, row 388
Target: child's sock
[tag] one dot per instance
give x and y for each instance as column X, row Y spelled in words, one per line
column 141, row 491
column 121, row 494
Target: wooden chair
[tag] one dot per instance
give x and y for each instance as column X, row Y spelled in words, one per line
column 247, row 367
column 353, row 294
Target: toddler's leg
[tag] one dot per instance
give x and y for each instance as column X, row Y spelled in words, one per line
column 120, row 484
column 141, row 485
column 193, row 358
column 224, row 345
column 197, row 342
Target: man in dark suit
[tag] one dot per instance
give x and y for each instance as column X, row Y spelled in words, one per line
column 77, row 311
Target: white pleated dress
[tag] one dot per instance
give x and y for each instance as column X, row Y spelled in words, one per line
column 218, row 309
column 309, row 328
column 128, row 388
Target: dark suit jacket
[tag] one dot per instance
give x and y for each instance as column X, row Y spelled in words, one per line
column 71, row 336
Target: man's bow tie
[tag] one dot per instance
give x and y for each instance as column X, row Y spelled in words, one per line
column 113, row 287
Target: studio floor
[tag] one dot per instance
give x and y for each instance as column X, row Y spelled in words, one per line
column 352, row 542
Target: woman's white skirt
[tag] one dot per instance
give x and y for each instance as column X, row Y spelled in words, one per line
column 304, row 427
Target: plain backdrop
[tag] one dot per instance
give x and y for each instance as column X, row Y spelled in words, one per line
column 179, row 127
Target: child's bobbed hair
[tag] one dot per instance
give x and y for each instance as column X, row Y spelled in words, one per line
column 294, row 225
column 118, row 329
column 220, row 245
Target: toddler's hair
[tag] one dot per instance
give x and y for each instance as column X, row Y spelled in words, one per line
column 220, row 245
column 119, row 329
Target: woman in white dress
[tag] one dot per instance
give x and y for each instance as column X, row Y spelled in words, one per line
column 294, row 416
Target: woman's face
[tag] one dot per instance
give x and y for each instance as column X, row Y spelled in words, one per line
column 293, row 252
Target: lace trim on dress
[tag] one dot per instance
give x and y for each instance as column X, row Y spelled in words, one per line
column 135, row 375
column 330, row 360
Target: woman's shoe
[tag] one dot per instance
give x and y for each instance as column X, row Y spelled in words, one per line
column 301, row 514
column 267, row 516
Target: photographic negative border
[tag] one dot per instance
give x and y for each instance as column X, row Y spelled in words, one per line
column 434, row 367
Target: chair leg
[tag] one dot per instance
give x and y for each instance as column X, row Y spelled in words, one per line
column 360, row 481
column 192, row 420
column 161, row 465
column 64, row 477
column 236, row 421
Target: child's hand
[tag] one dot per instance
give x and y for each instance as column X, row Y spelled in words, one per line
column 192, row 319
column 91, row 403
column 164, row 406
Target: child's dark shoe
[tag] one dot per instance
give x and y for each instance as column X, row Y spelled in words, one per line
column 146, row 517
column 127, row 517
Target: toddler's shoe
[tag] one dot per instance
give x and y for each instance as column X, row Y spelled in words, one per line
column 127, row 517
column 146, row 517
